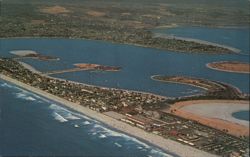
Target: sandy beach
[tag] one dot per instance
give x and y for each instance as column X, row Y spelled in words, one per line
column 164, row 144
column 215, row 113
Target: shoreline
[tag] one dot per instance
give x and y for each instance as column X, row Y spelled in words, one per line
column 217, row 83
column 166, row 145
column 174, row 82
column 216, row 116
column 211, row 26
column 208, row 65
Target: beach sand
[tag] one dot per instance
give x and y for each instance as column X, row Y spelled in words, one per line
column 165, row 144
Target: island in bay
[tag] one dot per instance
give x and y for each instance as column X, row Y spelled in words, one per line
column 230, row 66
column 33, row 55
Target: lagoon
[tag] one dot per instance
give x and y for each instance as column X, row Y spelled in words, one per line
column 242, row 115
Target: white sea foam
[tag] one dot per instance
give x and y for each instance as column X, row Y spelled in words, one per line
column 94, row 133
column 6, row 85
column 76, row 126
column 64, row 112
column 24, row 96
column 56, row 107
column 71, row 117
column 118, row 145
column 102, row 136
column 139, row 147
column 41, row 98
column 112, row 133
column 108, row 131
column 59, row 117
column 157, row 152
column 69, row 113
column 30, row 98
column 86, row 123
column 20, row 95
column 85, row 117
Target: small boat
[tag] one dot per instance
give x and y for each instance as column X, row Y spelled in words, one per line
column 76, row 126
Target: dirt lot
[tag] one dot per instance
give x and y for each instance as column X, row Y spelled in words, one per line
column 54, row 10
column 219, row 117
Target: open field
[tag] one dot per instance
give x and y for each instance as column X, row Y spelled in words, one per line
column 230, row 66
column 54, row 10
column 214, row 113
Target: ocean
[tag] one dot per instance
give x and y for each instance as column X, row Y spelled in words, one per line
column 31, row 125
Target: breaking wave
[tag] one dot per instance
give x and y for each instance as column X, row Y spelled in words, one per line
column 159, row 153
column 118, row 145
column 65, row 113
column 6, row 85
column 102, row 130
column 24, row 94
column 112, row 133
column 102, row 136
column 59, row 117
column 86, row 123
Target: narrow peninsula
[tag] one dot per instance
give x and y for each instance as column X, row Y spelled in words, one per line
column 214, row 89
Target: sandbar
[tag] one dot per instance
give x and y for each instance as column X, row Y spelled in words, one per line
column 23, row 53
